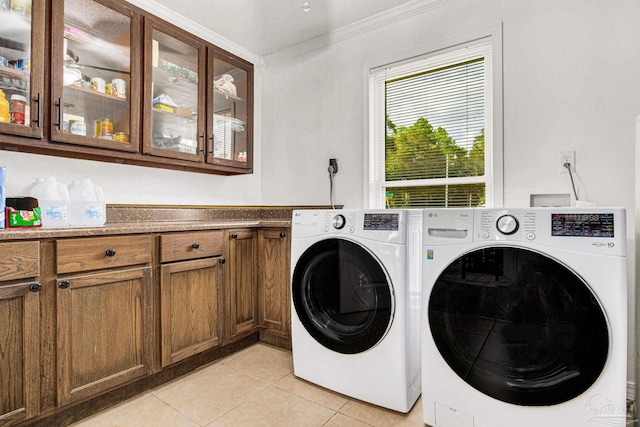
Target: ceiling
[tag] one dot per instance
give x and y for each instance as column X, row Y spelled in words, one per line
column 267, row 26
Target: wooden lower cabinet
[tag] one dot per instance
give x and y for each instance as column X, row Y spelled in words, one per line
column 241, row 283
column 114, row 311
column 19, row 352
column 274, row 307
column 104, row 328
column 191, row 308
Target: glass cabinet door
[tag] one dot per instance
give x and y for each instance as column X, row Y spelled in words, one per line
column 230, row 125
column 96, row 85
column 174, row 94
column 21, row 51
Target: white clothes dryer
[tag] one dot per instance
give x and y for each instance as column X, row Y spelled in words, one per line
column 524, row 317
column 356, row 303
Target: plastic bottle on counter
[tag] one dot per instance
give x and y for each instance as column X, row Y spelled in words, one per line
column 87, row 206
column 4, row 108
column 18, row 104
column 53, row 199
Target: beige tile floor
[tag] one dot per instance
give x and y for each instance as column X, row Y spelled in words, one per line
column 254, row 387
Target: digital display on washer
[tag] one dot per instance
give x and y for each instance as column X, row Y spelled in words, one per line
column 582, row 225
column 381, row 221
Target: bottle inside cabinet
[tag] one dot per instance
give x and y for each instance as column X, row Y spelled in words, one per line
column 174, row 119
column 15, row 61
column 97, row 71
column 230, row 112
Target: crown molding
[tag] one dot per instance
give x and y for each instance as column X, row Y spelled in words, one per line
column 196, row 29
column 363, row 26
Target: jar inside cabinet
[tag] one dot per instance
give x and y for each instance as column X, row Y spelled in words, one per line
column 21, row 49
column 230, row 142
column 173, row 98
column 97, row 75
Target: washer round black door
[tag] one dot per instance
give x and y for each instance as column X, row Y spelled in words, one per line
column 342, row 295
column 518, row 326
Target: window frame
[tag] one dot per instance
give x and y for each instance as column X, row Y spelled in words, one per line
column 374, row 146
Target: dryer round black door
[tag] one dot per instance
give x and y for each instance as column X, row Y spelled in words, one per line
column 342, row 296
column 518, row 326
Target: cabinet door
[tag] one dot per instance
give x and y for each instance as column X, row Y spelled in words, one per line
column 273, row 282
column 174, row 101
column 230, row 118
column 242, row 283
column 104, row 331
column 22, row 30
column 96, row 74
column 191, row 307
column 19, row 352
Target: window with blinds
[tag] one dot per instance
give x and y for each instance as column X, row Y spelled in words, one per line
column 430, row 131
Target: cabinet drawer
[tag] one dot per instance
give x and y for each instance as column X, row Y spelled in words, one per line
column 94, row 253
column 182, row 246
column 19, row 260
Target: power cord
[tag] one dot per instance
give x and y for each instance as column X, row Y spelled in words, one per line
column 573, row 184
column 332, row 173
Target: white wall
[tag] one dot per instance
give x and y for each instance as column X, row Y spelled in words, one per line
column 571, row 82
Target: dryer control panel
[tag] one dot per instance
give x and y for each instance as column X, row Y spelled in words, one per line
column 381, row 221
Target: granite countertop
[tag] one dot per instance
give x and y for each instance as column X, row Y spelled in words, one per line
column 136, row 228
column 127, row 219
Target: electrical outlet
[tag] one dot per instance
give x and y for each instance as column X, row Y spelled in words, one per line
column 567, row 157
column 334, row 163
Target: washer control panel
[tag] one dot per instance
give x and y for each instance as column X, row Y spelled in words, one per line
column 506, row 224
column 583, row 224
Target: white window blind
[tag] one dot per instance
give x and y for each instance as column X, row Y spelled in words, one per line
column 430, row 130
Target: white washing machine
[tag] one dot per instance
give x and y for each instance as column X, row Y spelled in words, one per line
column 524, row 317
column 356, row 303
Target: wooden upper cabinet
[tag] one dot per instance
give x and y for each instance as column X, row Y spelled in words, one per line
column 122, row 85
column 230, row 118
column 174, row 93
column 96, row 74
column 22, row 44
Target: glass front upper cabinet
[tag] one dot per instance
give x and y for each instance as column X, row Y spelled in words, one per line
column 230, row 92
column 174, row 96
column 96, row 84
column 21, row 50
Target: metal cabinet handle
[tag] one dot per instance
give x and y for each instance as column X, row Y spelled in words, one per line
column 234, row 236
column 39, row 110
column 195, row 245
column 35, row 287
column 283, row 234
column 222, row 261
column 59, row 105
column 63, row 284
column 110, row 252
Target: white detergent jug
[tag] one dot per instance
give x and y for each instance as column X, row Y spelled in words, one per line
column 87, row 204
column 53, row 199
